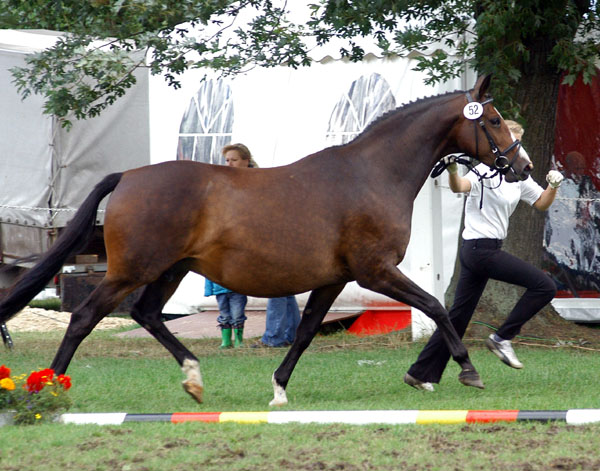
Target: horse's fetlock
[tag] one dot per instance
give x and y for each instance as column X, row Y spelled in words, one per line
column 191, row 369
column 279, row 394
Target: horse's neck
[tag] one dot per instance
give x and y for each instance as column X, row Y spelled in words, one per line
column 410, row 144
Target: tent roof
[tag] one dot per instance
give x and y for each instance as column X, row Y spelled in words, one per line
column 27, row 40
column 35, row 40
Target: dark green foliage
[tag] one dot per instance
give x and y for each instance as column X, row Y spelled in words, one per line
column 92, row 66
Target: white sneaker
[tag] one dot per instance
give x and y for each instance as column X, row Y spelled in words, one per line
column 504, row 351
column 415, row 383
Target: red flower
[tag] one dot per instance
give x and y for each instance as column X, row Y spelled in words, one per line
column 38, row 379
column 4, row 372
column 65, row 381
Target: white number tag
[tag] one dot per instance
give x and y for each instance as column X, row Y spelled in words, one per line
column 473, row 110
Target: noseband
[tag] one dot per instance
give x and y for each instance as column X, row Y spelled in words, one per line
column 501, row 163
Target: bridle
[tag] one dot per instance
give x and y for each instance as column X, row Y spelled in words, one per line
column 501, row 163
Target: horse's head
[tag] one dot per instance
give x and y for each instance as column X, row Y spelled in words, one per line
column 483, row 134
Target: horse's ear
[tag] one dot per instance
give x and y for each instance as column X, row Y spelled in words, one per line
column 481, row 87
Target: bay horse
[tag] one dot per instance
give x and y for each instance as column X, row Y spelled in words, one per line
column 339, row 215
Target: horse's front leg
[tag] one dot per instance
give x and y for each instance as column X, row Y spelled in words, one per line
column 319, row 302
column 393, row 283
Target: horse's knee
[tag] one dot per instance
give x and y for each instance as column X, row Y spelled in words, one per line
column 82, row 323
column 436, row 312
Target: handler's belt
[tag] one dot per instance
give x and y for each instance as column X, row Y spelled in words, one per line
column 483, row 243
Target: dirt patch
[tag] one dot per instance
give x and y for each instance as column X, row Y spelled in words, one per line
column 42, row 320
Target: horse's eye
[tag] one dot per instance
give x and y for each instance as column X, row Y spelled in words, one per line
column 495, row 122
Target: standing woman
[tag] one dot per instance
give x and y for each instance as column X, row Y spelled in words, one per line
column 482, row 258
column 232, row 306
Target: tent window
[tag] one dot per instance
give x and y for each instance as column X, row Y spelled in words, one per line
column 367, row 99
column 207, row 124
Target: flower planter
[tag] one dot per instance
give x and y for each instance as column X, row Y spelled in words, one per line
column 31, row 399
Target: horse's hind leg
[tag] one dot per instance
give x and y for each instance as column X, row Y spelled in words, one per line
column 319, row 302
column 106, row 297
column 147, row 312
column 396, row 285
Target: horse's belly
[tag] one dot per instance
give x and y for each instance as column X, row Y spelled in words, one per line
column 264, row 275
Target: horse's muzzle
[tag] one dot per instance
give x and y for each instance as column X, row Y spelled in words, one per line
column 515, row 175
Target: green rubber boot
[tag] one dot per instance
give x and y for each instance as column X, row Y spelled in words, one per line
column 238, row 335
column 226, row 337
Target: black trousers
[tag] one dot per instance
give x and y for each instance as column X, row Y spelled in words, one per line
column 482, row 259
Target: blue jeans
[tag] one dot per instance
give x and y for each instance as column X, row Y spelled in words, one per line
column 231, row 309
column 283, row 317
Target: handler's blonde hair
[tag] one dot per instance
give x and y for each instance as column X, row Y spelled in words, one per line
column 515, row 128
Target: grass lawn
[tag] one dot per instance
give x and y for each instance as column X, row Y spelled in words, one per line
column 338, row 372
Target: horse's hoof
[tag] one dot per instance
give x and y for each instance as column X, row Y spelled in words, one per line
column 194, row 389
column 471, row 378
column 278, row 402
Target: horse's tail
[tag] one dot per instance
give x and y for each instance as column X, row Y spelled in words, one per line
column 74, row 238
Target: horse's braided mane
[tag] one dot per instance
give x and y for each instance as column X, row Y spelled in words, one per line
column 403, row 108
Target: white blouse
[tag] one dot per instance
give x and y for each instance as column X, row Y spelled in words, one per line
column 499, row 201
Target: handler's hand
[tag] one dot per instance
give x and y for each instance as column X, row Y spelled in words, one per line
column 554, row 178
column 450, row 162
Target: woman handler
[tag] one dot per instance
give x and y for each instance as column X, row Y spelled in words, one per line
column 482, row 258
